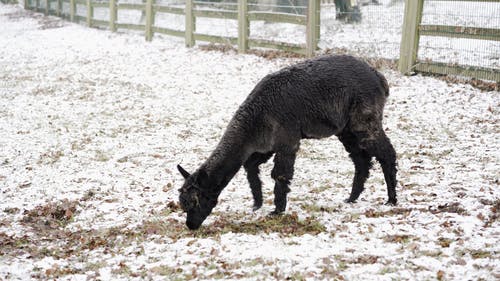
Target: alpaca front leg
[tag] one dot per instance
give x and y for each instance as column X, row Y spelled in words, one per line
column 252, row 169
column 281, row 190
column 256, row 187
column 282, row 174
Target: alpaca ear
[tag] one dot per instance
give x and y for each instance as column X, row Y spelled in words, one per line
column 183, row 172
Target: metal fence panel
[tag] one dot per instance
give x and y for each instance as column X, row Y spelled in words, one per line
column 460, row 37
column 448, row 47
column 371, row 30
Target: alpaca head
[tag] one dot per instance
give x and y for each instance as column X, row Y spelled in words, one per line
column 195, row 197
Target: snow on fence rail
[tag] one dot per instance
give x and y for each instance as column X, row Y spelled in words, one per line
column 192, row 11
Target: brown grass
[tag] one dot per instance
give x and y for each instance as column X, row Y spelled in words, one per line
column 50, row 237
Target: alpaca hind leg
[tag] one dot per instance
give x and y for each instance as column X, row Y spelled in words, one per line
column 282, row 174
column 384, row 152
column 362, row 164
column 252, row 168
column 386, row 156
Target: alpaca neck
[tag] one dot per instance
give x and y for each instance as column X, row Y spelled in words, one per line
column 225, row 161
column 232, row 150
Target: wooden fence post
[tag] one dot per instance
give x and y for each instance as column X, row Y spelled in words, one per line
column 409, row 40
column 72, row 10
column 90, row 13
column 112, row 15
column 37, row 5
column 313, row 8
column 26, row 4
column 47, row 6
column 243, row 26
column 190, row 22
column 149, row 20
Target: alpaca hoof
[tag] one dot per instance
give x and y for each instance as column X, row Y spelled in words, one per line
column 391, row 202
column 349, row 200
column 275, row 213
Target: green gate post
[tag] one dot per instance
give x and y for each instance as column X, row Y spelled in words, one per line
column 410, row 38
column 59, row 8
column 72, row 10
column 149, row 20
column 318, row 22
column 190, row 22
column 112, row 15
column 90, row 13
column 243, row 26
column 313, row 9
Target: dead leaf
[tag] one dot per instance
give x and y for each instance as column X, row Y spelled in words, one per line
column 440, row 275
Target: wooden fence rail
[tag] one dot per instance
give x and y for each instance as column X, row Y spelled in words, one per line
column 191, row 12
column 413, row 29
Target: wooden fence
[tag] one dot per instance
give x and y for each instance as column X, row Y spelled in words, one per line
column 191, row 12
column 413, row 29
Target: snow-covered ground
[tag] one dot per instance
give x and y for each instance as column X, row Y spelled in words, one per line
column 93, row 123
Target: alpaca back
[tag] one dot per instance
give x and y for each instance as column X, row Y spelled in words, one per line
column 318, row 97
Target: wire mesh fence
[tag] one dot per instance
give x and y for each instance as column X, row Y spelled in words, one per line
column 296, row 7
column 279, row 31
column 366, row 28
column 461, row 51
column 225, row 25
column 171, row 21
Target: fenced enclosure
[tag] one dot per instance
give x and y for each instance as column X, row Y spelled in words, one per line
column 458, row 37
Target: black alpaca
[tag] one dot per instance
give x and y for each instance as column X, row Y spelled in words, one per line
column 329, row 95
